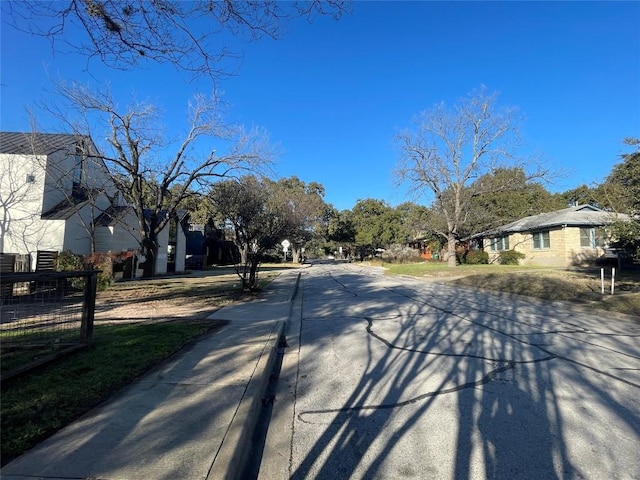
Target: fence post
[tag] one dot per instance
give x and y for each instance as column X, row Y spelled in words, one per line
column 88, row 306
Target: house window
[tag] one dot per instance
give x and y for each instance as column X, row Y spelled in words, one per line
column 499, row 244
column 541, row 240
column 591, row 237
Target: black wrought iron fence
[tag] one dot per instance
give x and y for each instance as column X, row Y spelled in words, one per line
column 44, row 315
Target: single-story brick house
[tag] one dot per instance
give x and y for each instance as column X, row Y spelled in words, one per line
column 572, row 236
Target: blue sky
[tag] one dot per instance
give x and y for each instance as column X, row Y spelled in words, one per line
column 333, row 94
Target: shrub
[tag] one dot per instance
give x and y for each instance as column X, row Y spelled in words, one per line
column 70, row 262
column 510, row 257
column 476, row 257
column 104, row 263
column 401, row 254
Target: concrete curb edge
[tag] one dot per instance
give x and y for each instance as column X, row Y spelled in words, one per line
column 294, row 289
column 232, row 456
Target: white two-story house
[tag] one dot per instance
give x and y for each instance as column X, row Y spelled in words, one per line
column 54, row 193
column 51, row 188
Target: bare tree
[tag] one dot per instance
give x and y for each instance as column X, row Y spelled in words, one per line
column 189, row 35
column 449, row 148
column 155, row 173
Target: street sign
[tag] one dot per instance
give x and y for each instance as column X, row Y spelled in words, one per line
column 285, row 245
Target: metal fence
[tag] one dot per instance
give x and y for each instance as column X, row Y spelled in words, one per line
column 44, row 315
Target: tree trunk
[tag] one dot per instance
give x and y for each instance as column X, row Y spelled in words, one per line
column 150, row 251
column 253, row 273
column 451, row 250
column 244, row 254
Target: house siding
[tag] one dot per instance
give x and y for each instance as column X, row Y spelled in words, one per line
column 181, row 250
column 554, row 256
column 564, row 249
column 578, row 255
column 119, row 237
column 22, row 230
column 58, row 184
column 36, row 178
column 122, row 236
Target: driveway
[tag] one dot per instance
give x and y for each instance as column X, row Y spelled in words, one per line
column 391, row 377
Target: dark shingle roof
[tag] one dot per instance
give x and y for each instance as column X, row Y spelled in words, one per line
column 21, row 143
column 578, row 216
column 112, row 216
column 64, row 210
column 116, row 214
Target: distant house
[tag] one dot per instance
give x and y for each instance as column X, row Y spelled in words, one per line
column 571, row 236
column 51, row 188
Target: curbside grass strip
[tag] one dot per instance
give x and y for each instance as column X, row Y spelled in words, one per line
column 232, row 456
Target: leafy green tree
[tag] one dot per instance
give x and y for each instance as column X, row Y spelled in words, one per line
column 415, row 222
column 263, row 213
column 337, row 232
column 243, row 203
column 620, row 192
column 582, row 195
column 340, row 226
column 304, row 207
column 376, row 224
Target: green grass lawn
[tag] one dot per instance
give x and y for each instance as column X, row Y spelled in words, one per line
column 440, row 269
column 36, row 404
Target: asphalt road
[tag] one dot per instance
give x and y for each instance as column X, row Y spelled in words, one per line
column 392, row 378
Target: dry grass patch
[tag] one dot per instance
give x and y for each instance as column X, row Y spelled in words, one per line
column 578, row 285
column 558, row 285
column 193, row 295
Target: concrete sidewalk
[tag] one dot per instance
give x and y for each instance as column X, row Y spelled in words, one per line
column 191, row 418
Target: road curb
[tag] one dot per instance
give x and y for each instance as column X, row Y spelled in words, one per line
column 233, row 453
column 233, row 456
column 294, row 289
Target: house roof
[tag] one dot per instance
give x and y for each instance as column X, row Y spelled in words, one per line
column 112, row 215
column 577, row 216
column 65, row 209
column 115, row 214
column 34, row 143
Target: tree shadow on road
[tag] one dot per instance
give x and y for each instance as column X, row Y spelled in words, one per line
column 448, row 386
